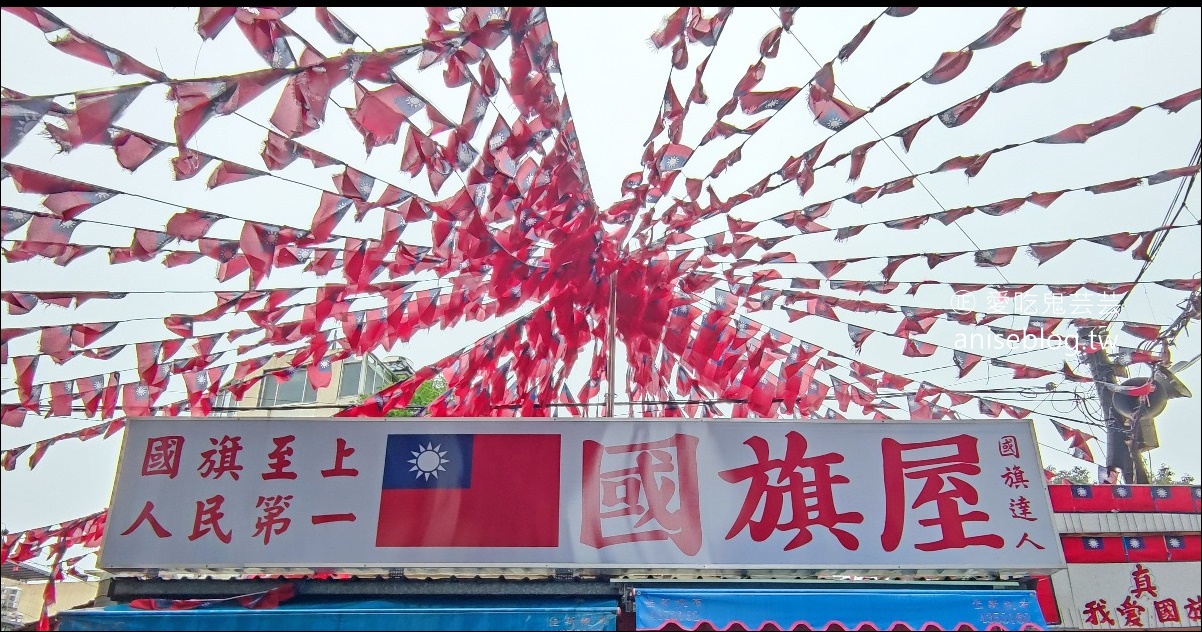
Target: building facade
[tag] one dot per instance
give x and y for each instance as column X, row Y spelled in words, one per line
column 24, row 585
column 351, row 379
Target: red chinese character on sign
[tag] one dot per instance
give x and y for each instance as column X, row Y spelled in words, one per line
column 1193, row 608
column 222, row 458
column 339, row 517
column 278, row 461
column 1008, row 446
column 1096, row 613
column 1015, row 477
column 1026, row 539
column 340, row 453
column 627, row 490
column 1166, row 611
column 1131, row 612
column 936, row 467
column 162, row 456
column 810, row 498
column 208, row 518
column 147, row 516
column 1142, row 579
column 1021, row 508
column 272, row 521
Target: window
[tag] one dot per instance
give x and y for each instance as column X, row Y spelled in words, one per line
column 12, row 595
column 224, row 399
column 295, row 390
column 348, row 383
column 371, row 380
column 363, row 377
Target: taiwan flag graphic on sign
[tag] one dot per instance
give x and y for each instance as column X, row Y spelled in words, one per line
column 465, row 490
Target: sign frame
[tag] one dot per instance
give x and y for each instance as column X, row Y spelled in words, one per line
column 988, row 560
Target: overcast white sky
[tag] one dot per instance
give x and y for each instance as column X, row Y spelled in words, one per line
column 614, row 82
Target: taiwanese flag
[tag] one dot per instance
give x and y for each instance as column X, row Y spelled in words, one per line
column 61, row 396
column 960, row 113
column 756, row 102
column 319, row 373
column 1006, row 27
column 1091, row 498
column 1131, row 497
column 830, row 112
column 948, row 67
column 464, row 490
column 673, row 157
column 1150, row 548
column 19, row 118
column 1092, row 549
column 1173, row 499
column 1183, row 548
column 90, row 390
column 137, row 399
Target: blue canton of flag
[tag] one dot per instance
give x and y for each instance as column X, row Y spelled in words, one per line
column 452, row 469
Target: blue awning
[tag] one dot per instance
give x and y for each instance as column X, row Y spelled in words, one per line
column 385, row 614
column 818, row 609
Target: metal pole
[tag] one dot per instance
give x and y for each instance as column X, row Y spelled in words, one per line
column 1121, row 449
column 610, row 343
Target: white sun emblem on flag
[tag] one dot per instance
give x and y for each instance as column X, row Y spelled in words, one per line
column 1121, row 492
column 1133, row 543
column 835, row 122
column 1174, row 542
column 202, row 380
column 673, row 162
column 770, row 104
column 1093, row 543
column 1081, row 491
column 141, row 391
column 1162, row 492
column 98, row 383
column 428, row 461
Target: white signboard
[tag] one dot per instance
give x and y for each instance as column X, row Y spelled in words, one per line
column 1126, row 596
column 344, row 494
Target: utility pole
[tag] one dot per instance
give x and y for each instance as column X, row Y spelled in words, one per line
column 1122, row 450
column 612, row 317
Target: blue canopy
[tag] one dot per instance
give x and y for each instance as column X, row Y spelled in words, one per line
column 384, row 614
column 819, row 608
